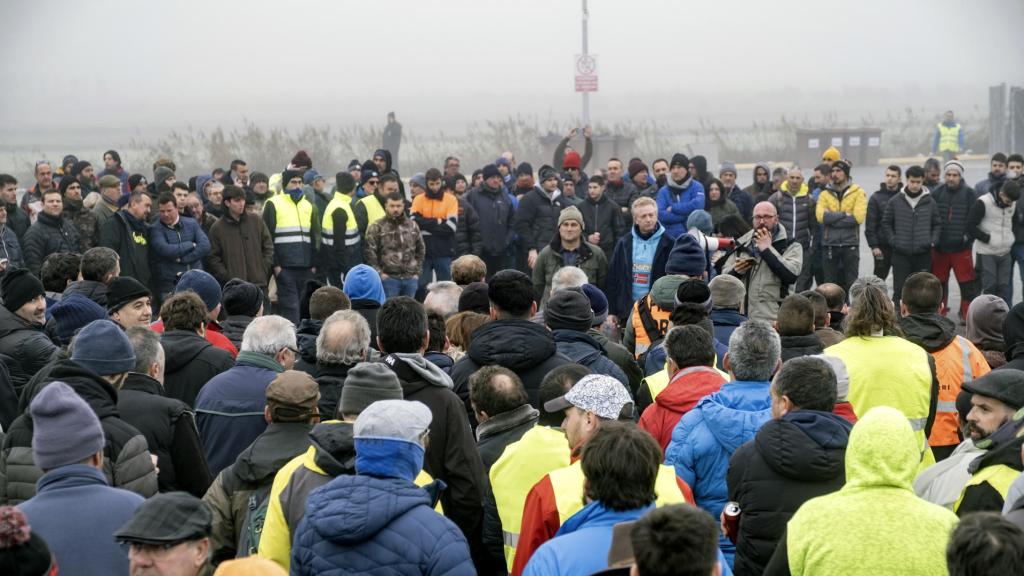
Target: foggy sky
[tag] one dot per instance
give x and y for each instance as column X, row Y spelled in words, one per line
column 82, row 65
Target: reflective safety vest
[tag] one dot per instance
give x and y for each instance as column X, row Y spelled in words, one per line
column 523, row 464
column 949, row 138
column 293, row 242
column 568, row 484
column 340, row 202
column 650, row 323
column 374, row 210
column 888, row 371
column 999, row 477
column 957, row 363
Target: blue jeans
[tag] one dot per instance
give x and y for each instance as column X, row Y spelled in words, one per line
column 400, row 287
column 442, row 265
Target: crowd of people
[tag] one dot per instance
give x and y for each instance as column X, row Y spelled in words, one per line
column 646, row 371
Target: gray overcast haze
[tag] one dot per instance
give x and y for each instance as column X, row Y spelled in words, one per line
column 77, row 66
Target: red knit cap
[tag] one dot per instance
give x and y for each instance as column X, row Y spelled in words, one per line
column 572, row 160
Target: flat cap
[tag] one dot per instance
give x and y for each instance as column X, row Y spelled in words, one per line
column 1005, row 385
column 168, row 518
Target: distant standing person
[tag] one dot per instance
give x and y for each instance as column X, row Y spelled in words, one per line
column 392, row 139
column 842, row 208
column 949, row 137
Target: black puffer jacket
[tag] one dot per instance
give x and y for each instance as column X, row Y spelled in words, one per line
column 191, row 362
column 126, row 459
column 791, row 460
column 536, row 219
column 170, row 429
column 876, row 209
column 954, row 205
column 524, row 347
column 496, row 213
column 796, row 213
column 25, row 345
column 49, row 234
column 911, row 230
column 603, row 216
column 467, row 230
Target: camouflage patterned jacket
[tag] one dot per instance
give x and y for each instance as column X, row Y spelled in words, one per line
column 394, row 247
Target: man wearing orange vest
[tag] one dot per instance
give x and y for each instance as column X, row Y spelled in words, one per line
column 957, row 360
column 595, row 399
column 648, row 320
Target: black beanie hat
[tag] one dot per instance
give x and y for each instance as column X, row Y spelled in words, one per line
column 287, row 176
column 524, row 169
column 680, row 159
column 18, row 287
column 122, row 290
column 241, row 298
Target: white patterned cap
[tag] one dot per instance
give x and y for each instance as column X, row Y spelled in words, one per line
column 597, row 393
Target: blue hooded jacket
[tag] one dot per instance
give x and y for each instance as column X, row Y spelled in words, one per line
column 378, row 521
column 707, row 436
column 363, row 283
column 581, row 545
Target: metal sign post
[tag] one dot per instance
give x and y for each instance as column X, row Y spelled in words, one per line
column 586, row 70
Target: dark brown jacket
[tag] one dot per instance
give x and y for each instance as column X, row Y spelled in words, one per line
column 241, row 249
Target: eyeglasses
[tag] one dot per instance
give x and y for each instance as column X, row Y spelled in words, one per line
column 763, row 217
column 372, row 182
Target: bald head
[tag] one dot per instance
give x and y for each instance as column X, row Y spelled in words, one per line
column 765, row 215
column 343, row 339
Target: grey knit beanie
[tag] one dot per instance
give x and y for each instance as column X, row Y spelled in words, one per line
column 65, row 429
column 366, row 383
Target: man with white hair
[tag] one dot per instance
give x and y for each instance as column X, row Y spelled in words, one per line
column 443, row 298
column 343, row 342
column 230, row 406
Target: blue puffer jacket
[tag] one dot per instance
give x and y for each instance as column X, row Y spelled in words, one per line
column 675, row 202
column 584, row 350
column 379, row 524
column 707, row 436
column 173, row 253
column 726, row 320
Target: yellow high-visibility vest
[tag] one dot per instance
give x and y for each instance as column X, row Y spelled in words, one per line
column 522, row 464
column 949, row 138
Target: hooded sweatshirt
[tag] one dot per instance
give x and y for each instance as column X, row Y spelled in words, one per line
column 985, row 318
column 876, row 510
column 451, row 455
column 791, row 460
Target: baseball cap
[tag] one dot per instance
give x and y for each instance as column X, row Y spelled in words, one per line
column 404, row 420
column 597, row 393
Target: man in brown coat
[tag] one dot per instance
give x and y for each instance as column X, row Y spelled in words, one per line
column 240, row 243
